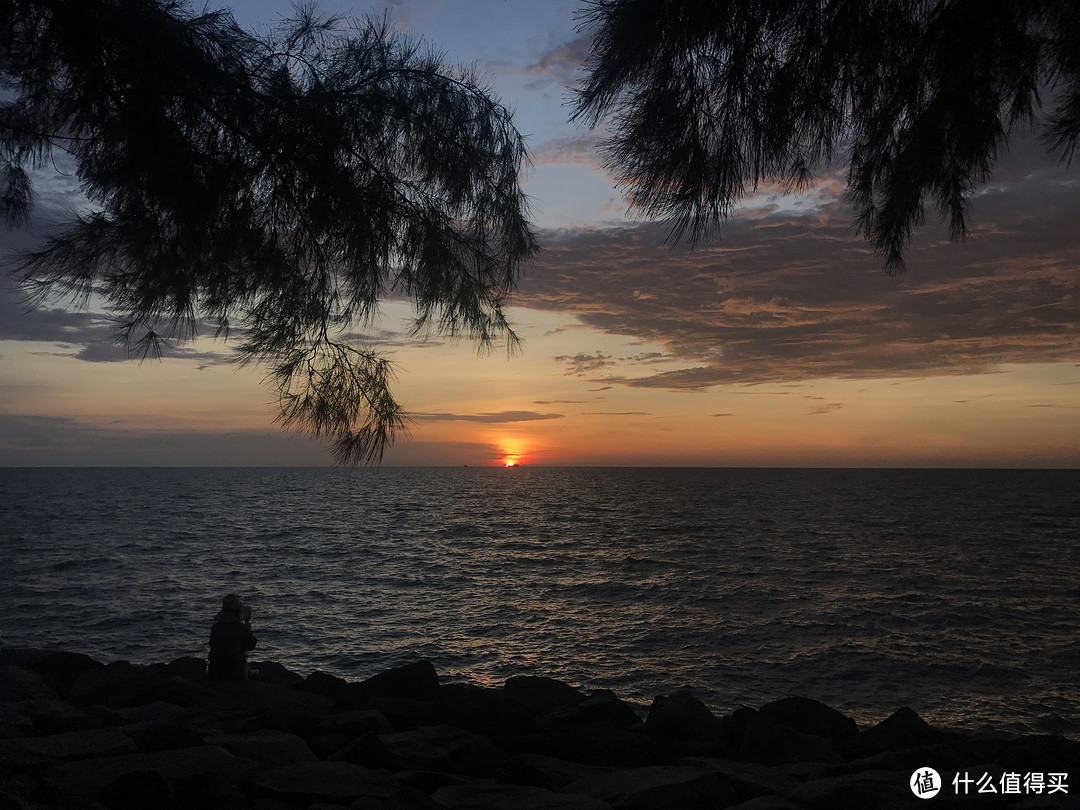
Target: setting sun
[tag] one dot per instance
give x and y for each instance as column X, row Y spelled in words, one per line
column 510, row 463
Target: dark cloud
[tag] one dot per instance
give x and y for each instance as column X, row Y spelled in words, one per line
column 581, row 364
column 793, row 295
column 489, row 418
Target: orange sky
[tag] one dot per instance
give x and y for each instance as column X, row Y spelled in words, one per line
column 783, row 343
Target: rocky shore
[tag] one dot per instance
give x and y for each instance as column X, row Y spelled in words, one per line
column 77, row 733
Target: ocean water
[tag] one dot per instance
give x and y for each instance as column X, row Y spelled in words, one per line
column 954, row 592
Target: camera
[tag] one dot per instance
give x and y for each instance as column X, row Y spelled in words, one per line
column 245, row 613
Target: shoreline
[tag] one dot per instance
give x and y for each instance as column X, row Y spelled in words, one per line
column 78, row 732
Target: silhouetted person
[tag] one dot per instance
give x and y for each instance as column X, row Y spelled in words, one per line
column 230, row 640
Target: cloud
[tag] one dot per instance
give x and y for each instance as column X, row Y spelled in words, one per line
column 581, row 364
column 797, row 295
column 579, row 150
column 562, row 61
column 489, row 418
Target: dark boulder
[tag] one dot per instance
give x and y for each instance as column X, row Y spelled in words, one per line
column 443, row 748
column 116, row 685
column 322, row 683
column 882, row 790
column 684, row 718
column 59, row 669
column 468, row 706
column 511, row 797
column 268, row 748
column 367, row 749
column 901, row 730
column 339, row 782
column 537, row 695
column 137, row 790
column 18, row 685
column 415, row 681
column 186, row 769
column 272, row 672
column 773, row 743
column 659, row 788
column 601, row 711
column 810, row 717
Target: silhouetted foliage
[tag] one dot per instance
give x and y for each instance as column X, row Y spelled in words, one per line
column 280, row 187
column 708, row 98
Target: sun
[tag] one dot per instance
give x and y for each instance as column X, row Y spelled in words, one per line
column 510, row 462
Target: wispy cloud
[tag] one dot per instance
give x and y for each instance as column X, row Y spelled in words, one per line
column 562, row 61
column 488, row 418
column 568, row 151
column 794, row 296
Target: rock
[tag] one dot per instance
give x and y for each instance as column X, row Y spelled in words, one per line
column 684, row 721
column 59, row 669
column 189, row 668
column 18, row 685
column 535, row 695
column 187, row 769
column 14, row 723
column 53, row 716
column 140, row 789
column 415, row 681
column 72, row 745
column 511, row 797
column 164, row 734
column 601, row 711
column 321, row 683
column 658, row 788
column 401, row 714
column 443, row 748
column 272, row 672
column 355, row 723
column 269, row 699
column 901, row 730
column 735, row 725
column 768, row 803
column 157, row 711
column 772, row 743
column 604, row 747
column 547, row 772
column 796, row 730
column 115, row 685
column 810, row 717
column 882, row 790
column 368, row 750
column 749, row 779
column 270, row 749
column 1041, row 753
column 327, row 781
column 468, row 706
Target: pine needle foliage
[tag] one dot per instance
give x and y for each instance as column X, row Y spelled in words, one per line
column 278, row 187
column 707, row 99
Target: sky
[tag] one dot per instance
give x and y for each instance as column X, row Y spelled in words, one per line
column 781, row 343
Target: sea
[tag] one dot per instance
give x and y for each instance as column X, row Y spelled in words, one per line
column 952, row 592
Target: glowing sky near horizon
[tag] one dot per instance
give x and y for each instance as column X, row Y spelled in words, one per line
column 781, row 343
